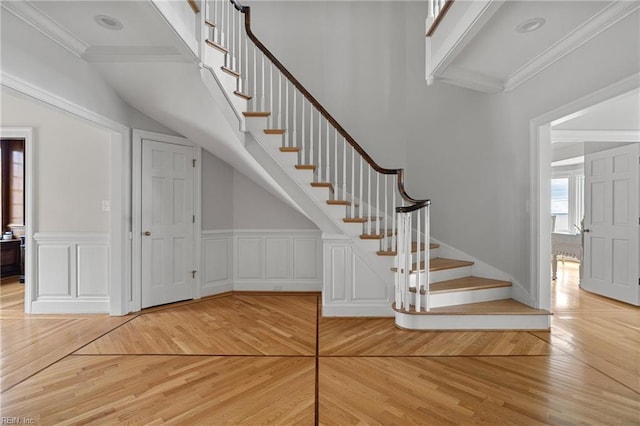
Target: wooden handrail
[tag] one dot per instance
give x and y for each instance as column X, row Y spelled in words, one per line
column 246, row 10
column 438, row 19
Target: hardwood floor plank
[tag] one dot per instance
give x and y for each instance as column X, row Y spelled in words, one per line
column 380, row 337
column 234, row 325
column 31, row 343
column 168, row 389
column 470, row 390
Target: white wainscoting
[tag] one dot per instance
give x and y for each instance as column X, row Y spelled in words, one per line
column 261, row 260
column 217, row 262
column 351, row 287
column 72, row 273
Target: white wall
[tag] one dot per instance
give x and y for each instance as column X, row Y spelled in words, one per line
column 30, row 57
column 72, row 166
column 467, row 151
column 217, row 193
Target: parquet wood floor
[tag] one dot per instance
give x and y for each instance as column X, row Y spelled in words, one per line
column 233, row 325
column 188, row 390
column 379, row 337
column 470, row 390
column 252, row 359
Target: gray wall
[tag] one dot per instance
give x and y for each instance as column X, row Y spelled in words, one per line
column 230, row 200
column 467, row 151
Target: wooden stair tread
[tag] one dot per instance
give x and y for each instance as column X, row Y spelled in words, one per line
column 440, row 264
column 209, row 23
column 274, row 131
column 339, row 202
column 289, row 149
column 305, row 166
column 359, row 219
column 256, row 113
column 414, row 249
column 494, row 307
column 242, row 95
column 322, row 185
column 217, row 46
column 228, row 70
column 381, row 235
column 464, row 284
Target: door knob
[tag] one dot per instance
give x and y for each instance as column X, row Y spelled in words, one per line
column 147, row 233
column 586, row 230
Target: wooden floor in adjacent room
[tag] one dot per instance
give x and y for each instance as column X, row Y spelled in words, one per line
column 272, row 359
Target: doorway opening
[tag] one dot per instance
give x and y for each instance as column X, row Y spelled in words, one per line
column 576, row 128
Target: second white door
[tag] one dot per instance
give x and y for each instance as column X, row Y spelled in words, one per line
column 611, row 224
column 167, row 223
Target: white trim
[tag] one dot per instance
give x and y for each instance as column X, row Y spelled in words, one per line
column 25, row 88
column 597, row 24
column 595, row 136
column 473, row 322
column 71, row 236
column 27, row 133
column 120, row 177
column 471, row 80
column 357, row 310
column 52, row 306
column 29, row 13
column 197, row 226
column 136, row 210
column 472, row 21
column 539, row 205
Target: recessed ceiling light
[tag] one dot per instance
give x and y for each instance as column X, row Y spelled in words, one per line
column 108, row 22
column 530, row 25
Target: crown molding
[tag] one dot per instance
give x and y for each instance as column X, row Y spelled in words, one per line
column 39, row 20
column 595, row 136
column 471, row 80
column 597, row 24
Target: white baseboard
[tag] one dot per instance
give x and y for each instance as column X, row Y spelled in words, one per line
column 357, row 310
column 70, row 306
column 277, row 286
column 473, row 322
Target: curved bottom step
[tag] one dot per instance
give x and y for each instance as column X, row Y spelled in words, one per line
column 506, row 314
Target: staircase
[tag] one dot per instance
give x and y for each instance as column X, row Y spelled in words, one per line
column 349, row 196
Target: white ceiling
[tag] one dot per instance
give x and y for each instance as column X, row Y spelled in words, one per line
column 479, row 47
column 499, row 51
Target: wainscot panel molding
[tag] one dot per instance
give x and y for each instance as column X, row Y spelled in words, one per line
column 72, row 273
column 351, row 287
column 217, row 262
column 261, row 260
column 277, row 260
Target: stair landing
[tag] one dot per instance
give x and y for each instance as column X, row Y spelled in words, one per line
column 494, row 315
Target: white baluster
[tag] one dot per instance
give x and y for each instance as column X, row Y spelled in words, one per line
column 370, row 198
column 397, row 263
column 262, row 100
column 394, row 238
column 279, row 99
column 335, row 162
column 311, row 134
column 344, row 168
column 360, row 192
column 328, row 163
column 303, row 135
column 384, row 214
column 407, row 258
column 427, row 257
column 294, row 118
column 287, row 112
column 353, row 182
column 418, row 287
column 377, row 209
column 319, row 168
column 271, row 106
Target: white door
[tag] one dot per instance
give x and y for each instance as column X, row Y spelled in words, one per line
column 611, row 225
column 167, row 223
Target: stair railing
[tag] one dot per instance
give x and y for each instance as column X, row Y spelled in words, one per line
column 368, row 190
column 436, row 9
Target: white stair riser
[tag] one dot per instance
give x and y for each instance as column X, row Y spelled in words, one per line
column 449, row 274
column 472, row 322
column 464, row 297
